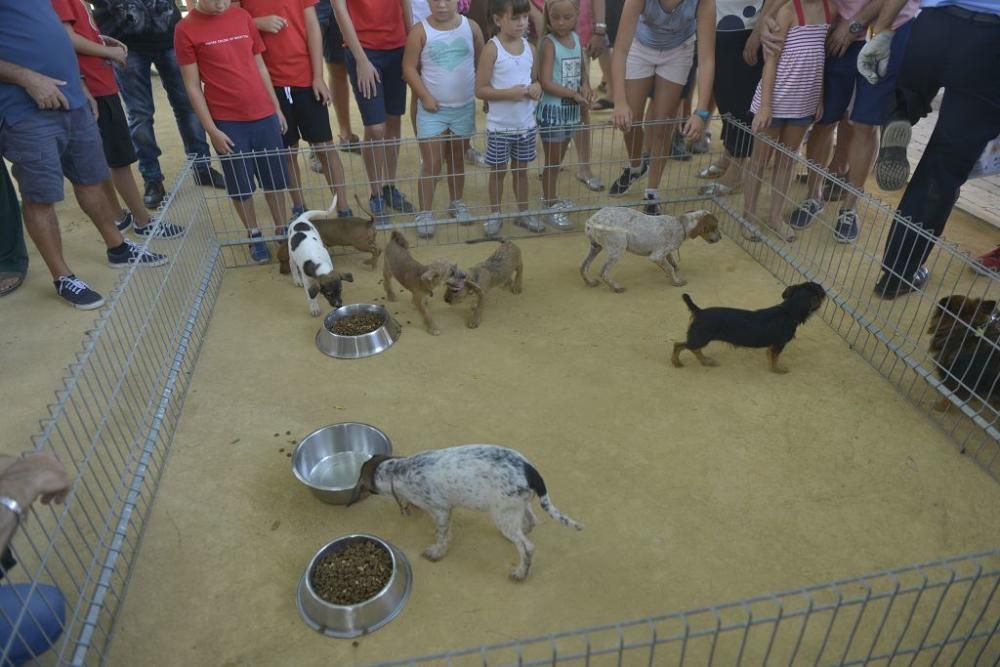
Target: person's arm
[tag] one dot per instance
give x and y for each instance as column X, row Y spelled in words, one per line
column 415, row 43
column 537, row 19
column 841, row 36
column 762, row 119
column 407, row 15
column 367, row 76
column 314, row 40
column 622, row 116
column 85, row 47
column 43, row 89
column 192, row 85
column 598, row 36
column 484, row 73
column 873, row 59
column 268, row 23
column 477, row 40
column 24, row 480
column 535, row 89
column 266, row 78
column 772, row 38
column 696, row 125
column 546, row 56
column 887, row 15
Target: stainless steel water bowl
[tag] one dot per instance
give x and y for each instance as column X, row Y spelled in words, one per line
column 346, row 621
column 329, row 459
column 357, row 347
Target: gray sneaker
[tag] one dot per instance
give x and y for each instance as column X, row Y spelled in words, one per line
column 492, row 225
column 460, row 212
column 530, row 222
column 425, row 225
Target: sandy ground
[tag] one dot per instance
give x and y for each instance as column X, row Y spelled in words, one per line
column 696, row 485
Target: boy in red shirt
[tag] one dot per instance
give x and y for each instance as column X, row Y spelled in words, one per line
column 95, row 54
column 375, row 35
column 219, row 46
column 294, row 59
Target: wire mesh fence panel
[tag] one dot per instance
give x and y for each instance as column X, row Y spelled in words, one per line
column 940, row 613
column 111, row 424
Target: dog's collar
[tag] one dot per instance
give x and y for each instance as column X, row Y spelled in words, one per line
column 392, row 486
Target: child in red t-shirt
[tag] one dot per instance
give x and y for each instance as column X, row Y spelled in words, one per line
column 219, row 47
column 375, row 35
column 95, row 54
column 294, row 59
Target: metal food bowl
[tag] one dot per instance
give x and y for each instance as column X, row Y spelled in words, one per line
column 357, row 347
column 346, row 621
column 329, row 459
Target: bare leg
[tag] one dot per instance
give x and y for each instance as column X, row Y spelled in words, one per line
column 791, row 137
column 430, row 170
column 818, row 151
column 520, row 181
column 295, row 179
column 374, row 154
column 665, row 100
column 124, row 183
column 496, row 186
column 101, row 211
column 860, row 158
column 754, row 176
column 340, row 90
column 276, row 204
column 455, row 159
column 246, row 212
column 582, row 140
column 333, row 172
column 554, row 153
column 43, row 228
column 393, row 131
column 636, row 92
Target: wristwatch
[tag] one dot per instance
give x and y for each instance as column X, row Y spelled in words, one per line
column 600, row 28
column 704, row 114
column 856, row 28
column 12, row 505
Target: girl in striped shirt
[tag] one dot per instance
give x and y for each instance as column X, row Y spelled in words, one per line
column 788, row 99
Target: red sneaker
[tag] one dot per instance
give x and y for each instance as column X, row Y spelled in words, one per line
column 989, row 263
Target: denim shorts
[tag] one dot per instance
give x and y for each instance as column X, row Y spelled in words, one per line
column 390, row 90
column 804, row 121
column 333, row 39
column 556, row 134
column 460, row 120
column 845, row 90
column 48, row 145
column 502, row 147
column 240, row 170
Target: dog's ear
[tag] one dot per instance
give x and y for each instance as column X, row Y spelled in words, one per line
column 309, row 268
column 366, row 477
column 313, row 291
column 347, row 277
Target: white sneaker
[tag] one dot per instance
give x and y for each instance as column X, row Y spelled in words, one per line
column 492, row 225
column 425, row 225
column 530, row 222
column 460, row 212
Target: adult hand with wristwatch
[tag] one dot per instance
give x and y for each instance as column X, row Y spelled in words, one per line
column 598, row 40
column 843, row 35
column 22, row 481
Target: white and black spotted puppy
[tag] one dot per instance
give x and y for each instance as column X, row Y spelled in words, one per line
column 486, row 478
column 311, row 264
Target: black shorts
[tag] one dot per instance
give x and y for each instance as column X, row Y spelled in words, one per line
column 333, row 39
column 113, row 126
column 735, row 84
column 306, row 117
column 613, row 16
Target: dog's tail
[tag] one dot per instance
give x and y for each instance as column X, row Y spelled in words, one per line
column 537, row 484
column 309, row 215
column 399, row 239
column 690, row 304
column 371, row 218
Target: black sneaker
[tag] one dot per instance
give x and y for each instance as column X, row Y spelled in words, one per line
column 133, row 253
column 154, row 194
column 890, row 285
column 209, row 176
column 77, row 293
column 892, row 168
column 157, row 229
column 396, row 199
column 653, row 205
column 124, row 222
column 627, row 179
column 846, row 229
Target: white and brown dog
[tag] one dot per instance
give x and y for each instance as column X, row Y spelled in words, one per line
column 619, row 230
column 485, row 478
column 311, row 264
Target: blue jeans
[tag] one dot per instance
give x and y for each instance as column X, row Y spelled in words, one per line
column 135, row 82
column 949, row 51
column 44, row 613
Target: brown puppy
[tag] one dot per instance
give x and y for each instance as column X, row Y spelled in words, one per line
column 503, row 268
column 420, row 279
column 358, row 233
column 965, row 344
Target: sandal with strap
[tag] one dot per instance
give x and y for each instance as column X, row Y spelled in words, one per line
column 715, row 190
column 711, row 171
column 10, row 281
column 593, row 183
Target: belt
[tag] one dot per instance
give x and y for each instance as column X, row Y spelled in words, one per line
column 979, row 17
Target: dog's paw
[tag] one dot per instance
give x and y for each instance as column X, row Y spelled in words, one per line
column 617, row 289
column 314, row 309
column 592, row 283
column 519, row 574
column 676, row 363
column 679, row 282
column 780, row 370
column 434, row 553
column 472, row 324
column 297, row 283
column 434, row 331
column 390, row 296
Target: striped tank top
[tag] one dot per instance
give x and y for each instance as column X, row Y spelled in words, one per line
column 798, row 85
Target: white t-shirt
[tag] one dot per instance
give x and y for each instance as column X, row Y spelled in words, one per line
column 736, row 15
column 511, row 70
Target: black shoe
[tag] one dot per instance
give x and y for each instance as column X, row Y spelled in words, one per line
column 209, row 176
column 154, row 194
column 890, row 285
column 77, row 293
column 892, row 168
column 124, row 222
column 653, row 204
column 133, row 253
column 627, row 179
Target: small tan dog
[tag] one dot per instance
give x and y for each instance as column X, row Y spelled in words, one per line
column 621, row 230
column 420, row 279
column 501, row 269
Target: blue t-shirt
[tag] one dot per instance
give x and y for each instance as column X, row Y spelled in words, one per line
column 984, row 6
column 32, row 36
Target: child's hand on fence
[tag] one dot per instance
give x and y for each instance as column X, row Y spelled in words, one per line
column 221, row 142
column 621, row 117
column 535, row 91
column 761, row 120
column 321, row 91
column 272, row 23
column 430, row 104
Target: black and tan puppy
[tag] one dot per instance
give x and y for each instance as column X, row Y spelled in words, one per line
column 501, row 269
column 772, row 327
column 965, row 344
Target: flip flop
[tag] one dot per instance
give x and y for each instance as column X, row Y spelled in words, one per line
column 593, row 183
column 8, row 287
column 711, row 171
column 715, row 190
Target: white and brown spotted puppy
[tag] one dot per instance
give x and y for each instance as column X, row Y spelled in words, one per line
column 619, row 230
column 485, row 478
column 312, row 267
column 503, row 268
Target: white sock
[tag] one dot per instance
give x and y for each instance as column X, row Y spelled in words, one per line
column 651, row 194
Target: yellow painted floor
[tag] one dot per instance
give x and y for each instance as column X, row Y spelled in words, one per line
column 696, row 485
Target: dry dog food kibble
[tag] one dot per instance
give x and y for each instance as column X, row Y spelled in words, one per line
column 352, row 575
column 357, row 324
